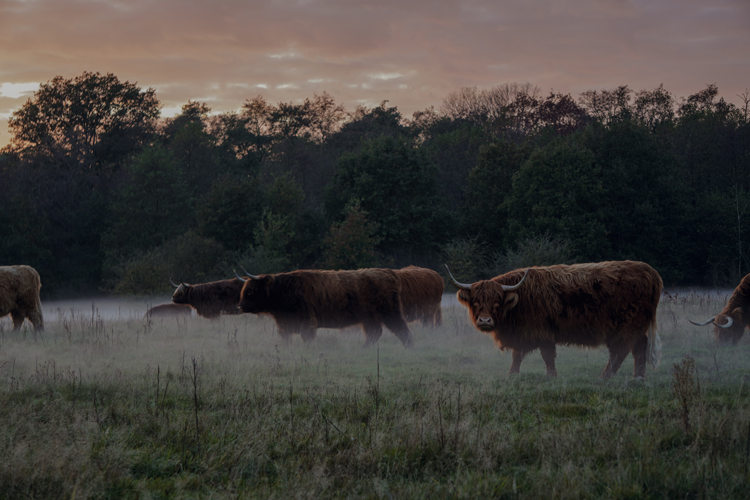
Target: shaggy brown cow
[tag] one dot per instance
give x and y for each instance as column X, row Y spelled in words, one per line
column 421, row 293
column 169, row 311
column 210, row 299
column 610, row 303
column 19, row 296
column 730, row 324
column 303, row 301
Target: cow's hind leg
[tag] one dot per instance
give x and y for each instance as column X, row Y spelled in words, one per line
column 640, row 348
column 18, row 318
column 617, row 354
column 36, row 319
column 397, row 325
column 373, row 331
column 549, row 352
column 515, row 366
column 307, row 334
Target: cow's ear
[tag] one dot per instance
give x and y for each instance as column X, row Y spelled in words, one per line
column 463, row 296
column 511, row 299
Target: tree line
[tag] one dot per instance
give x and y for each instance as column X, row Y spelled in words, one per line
column 102, row 194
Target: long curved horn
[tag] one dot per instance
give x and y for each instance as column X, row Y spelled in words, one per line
column 239, row 277
column 510, row 288
column 172, row 283
column 462, row 286
column 730, row 321
column 251, row 276
column 707, row 322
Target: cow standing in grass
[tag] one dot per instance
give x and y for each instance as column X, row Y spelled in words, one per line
column 421, row 294
column 730, row 324
column 609, row 303
column 305, row 300
column 19, row 296
column 210, row 299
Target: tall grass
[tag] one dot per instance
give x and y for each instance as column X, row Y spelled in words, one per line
column 126, row 408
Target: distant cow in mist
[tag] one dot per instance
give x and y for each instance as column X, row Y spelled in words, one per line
column 610, row 303
column 305, row 300
column 169, row 311
column 19, row 296
column 421, row 294
column 210, row 299
column 730, row 323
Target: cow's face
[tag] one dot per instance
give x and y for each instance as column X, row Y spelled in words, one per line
column 255, row 296
column 733, row 333
column 488, row 303
column 182, row 294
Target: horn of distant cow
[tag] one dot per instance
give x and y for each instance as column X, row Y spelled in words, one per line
column 510, row 288
column 707, row 322
column 172, row 283
column 239, row 277
column 462, row 286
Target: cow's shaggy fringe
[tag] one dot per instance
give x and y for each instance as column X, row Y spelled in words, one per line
column 653, row 349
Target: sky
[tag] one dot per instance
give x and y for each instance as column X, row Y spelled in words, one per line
column 410, row 53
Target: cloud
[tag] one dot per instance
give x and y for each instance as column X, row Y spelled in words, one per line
column 410, row 53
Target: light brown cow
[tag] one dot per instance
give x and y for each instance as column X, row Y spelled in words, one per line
column 421, row 294
column 19, row 296
column 730, row 324
column 210, row 299
column 609, row 303
column 170, row 310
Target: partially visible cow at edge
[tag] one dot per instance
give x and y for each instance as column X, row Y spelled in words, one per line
column 169, row 311
column 305, row 300
column 421, row 293
column 730, row 323
column 210, row 299
column 610, row 303
column 19, row 296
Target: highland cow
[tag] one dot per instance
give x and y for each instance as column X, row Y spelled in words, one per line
column 170, row 310
column 421, row 294
column 19, row 296
column 210, row 299
column 609, row 303
column 303, row 301
column 730, row 323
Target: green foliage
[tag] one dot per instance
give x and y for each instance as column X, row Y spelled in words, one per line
column 351, row 243
column 231, row 211
column 395, row 184
column 189, row 258
column 558, row 191
column 489, row 185
column 152, row 205
column 538, row 250
column 466, row 259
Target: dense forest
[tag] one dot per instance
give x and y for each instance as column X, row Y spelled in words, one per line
column 101, row 194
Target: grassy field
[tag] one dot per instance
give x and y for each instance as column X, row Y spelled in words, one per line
column 118, row 407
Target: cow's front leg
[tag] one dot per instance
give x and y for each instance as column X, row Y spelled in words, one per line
column 373, row 331
column 515, row 366
column 617, row 354
column 549, row 352
column 307, row 333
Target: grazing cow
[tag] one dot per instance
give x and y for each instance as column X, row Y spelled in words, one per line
column 210, row 299
column 171, row 310
column 19, row 296
column 610, row 303
column 730, row 324
column 305, row 300
column 421, row 293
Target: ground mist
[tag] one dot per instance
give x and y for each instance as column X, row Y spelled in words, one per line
column 118, row 406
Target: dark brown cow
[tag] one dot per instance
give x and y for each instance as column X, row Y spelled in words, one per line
column 210, row 299
column 303, row 301
column 730, row 324
column 421, row 293
column 169, row 311
column 610, row 303
column 19, row 296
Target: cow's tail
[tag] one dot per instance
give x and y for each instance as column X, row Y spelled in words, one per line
column 653, row 348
